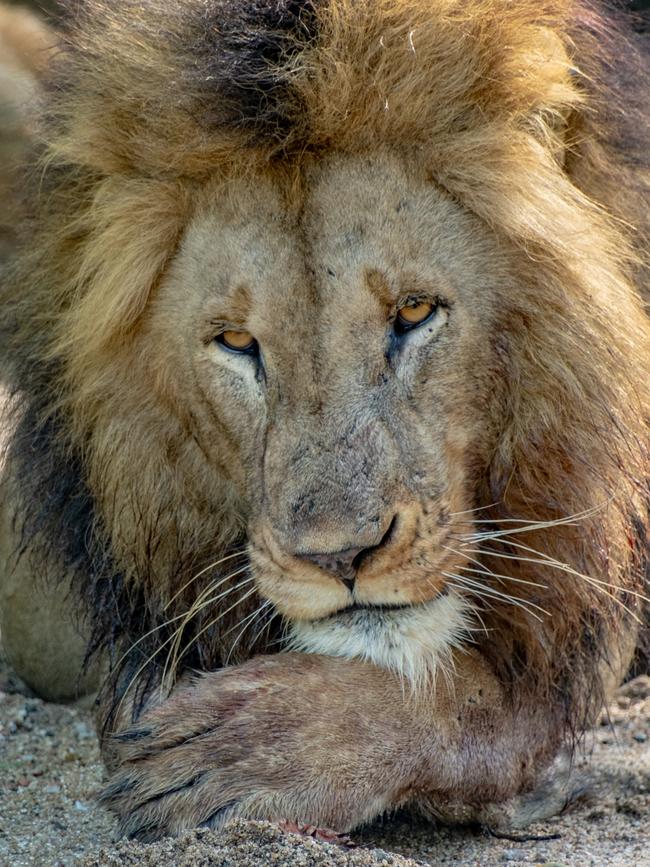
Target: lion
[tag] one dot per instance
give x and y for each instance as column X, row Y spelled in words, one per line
column 329, row 372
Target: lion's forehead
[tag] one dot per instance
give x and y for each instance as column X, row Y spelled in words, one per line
column 353, row 217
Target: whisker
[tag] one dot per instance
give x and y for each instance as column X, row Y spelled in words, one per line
column 490, row 574
column 488, row 571
column 267, row 619
column 283, row 638
column 465, row 590
column 570, row 520
column 215, row 620
column 146, row 635
column 250, row 619
column 199, row 604
column 552, row 563
column 487, row 590
column 476, row 613
column 201, row 601
column 176, row 633
column 149, row 659
column 168, row 622
column 216, row 563
column 508, row 521
column 596, row 583
column 470, row 511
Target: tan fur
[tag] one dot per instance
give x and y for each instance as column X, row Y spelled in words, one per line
column 25, row 46
column 454, row 152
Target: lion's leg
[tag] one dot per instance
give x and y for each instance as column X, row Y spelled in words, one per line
column 39, row 627
column 40, row 637
column 557, row 783
column 327, row 741
column 335, row 743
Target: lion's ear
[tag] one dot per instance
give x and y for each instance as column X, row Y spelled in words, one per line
column 553, row 88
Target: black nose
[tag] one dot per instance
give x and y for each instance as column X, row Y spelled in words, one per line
column 345, row 564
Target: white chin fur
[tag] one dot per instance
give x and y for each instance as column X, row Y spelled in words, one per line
column 413, row 642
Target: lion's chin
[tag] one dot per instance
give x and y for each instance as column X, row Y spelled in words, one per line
column 414, row 641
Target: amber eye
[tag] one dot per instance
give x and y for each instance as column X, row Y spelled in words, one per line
column 412, row 315
column 238, row 341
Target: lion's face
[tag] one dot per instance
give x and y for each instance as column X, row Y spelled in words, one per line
column 335, row 362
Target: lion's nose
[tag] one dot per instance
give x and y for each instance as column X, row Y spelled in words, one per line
column 342, row 564
column 345, row 564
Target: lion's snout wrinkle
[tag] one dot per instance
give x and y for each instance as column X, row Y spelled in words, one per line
column 333, row 494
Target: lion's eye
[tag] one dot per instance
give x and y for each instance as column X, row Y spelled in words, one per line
column 238, row 341
column 412, row 315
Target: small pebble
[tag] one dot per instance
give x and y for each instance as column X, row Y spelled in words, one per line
column 82, row 730
column 514, row 855
column 641, row 737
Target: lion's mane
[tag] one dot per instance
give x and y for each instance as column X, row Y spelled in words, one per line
column 529, row 113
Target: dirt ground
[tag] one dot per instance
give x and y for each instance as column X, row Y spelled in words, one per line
column 50, row 775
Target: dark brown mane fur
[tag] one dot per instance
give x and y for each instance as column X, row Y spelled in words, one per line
column 531, row 113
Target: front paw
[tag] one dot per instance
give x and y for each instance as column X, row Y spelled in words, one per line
column 273, row 739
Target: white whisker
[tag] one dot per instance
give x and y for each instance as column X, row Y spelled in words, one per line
column 563, row 567
column 267, row 619
column 202, row 572
column 597, row 583
column 483, row 589
column 488, row 573
column 470, row 511
column 215, row 620
column 182, row 616
column 202, row 600
column 245, row 623
column 569, row 520
column 485, row 570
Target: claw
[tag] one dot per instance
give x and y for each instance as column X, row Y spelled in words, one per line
column 132, row 735
column 220, row 816
column 145, row 832
column 118, row 787
column 323, row 835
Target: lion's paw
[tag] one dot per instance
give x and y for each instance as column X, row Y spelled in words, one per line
column 259, row 741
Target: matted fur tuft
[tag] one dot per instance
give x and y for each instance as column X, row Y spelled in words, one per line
column 516, row 109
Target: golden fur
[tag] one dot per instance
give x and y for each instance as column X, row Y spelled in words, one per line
column 465, row 153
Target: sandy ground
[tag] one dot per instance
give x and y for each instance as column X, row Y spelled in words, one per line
column 50, row 774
